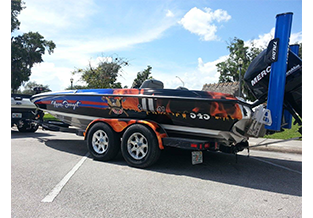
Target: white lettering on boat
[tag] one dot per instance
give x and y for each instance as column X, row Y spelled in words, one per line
column 66, row 104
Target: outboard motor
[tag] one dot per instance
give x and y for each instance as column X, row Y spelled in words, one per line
column 258, row 77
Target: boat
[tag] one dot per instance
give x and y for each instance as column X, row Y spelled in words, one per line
column 141, row 122
column 180, row 112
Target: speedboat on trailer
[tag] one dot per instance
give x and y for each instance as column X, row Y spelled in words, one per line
column 151, row 117
column 180, row 113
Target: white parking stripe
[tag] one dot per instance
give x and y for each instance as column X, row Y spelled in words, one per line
column 56, row 190
column 277, row 165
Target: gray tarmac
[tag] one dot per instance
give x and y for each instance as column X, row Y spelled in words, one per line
column 266, row 184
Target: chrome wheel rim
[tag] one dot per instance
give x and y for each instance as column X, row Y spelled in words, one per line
column 100, row 141
column 137, row 146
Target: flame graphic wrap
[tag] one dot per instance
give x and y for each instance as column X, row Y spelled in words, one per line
column 225, row 110
column 200, row 109
column 214, row 109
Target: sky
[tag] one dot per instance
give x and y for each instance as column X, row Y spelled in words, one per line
column 178, row 39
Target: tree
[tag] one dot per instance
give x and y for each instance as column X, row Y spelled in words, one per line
column 76, row 87
column 16, row 7
column 26, row 49
column 141, row 77
column 29, row 88
column 105, row 74
column 228, row 69
column 300, row 50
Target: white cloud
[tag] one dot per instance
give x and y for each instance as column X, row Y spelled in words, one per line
column 296, row 38
column 57, row 77
column 51, row 16
column 202, row 23
column 64, row 22
column 194, row 79
column 209, row 69
column 206, row 72
column 219, row 15
column 263, row 39
column 169, row 14
column 77, row 52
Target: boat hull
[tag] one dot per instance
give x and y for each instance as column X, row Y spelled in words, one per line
column 193, row 112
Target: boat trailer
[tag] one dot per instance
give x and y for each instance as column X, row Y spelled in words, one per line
column 134, row 135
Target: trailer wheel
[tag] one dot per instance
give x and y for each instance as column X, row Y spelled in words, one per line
column 102, row 142
column 140, row 146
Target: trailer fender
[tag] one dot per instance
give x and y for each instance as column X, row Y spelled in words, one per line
column 119, row 125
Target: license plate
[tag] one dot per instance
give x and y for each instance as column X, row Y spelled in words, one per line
column 16, row 115
column 196, row 157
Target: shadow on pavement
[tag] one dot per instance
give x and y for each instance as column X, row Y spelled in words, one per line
column 220, row 167
column 216, row 166
column 73, row 146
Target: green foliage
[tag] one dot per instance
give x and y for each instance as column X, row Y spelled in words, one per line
column 105, row 74
column 229, row 69
column 26, row 49
column 300, row 50
column 29, row 88
column 76, row 87
column 48, row 116
column 287, row 133
column 141, row 77
column 16, row 7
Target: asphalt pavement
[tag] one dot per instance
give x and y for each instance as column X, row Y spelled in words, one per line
column 266, row 184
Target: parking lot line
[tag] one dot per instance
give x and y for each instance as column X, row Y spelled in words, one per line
column 56, row 190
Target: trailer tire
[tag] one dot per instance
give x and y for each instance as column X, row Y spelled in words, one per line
column 140, row 146
column 102, row 142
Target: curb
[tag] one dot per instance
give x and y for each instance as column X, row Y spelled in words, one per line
column 275, row 149
column 276, row 145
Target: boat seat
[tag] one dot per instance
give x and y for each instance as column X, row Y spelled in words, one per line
column 181, row 88
column 152, row 84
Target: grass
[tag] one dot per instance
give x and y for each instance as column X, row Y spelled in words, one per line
column 49, row 117
column 287, row 134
